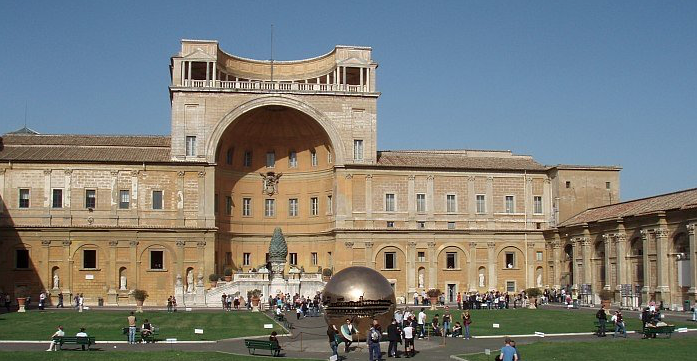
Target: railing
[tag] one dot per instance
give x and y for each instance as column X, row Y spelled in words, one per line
column 274, row 86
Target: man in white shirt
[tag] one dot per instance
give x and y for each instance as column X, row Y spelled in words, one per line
column 421, row 321
column 416, row 298
column 82, row 333
column 54, row 345
column 408, row 339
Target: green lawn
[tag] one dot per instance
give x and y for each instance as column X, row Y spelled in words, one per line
column 608, row 350
column 526, row 321
column 133, row 356
column 107, row 325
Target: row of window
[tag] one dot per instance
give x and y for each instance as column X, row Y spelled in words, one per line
column 89, row 259
column 451, row 261
column 271, row 158
column 292, row 258
column 90, row 198
column 451, row 203
column 270, row 206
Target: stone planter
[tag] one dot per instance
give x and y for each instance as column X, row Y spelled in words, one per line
column 606, row 304
column 139, row 306
column 533, row 303
column 214, row 284
column 228, row 278
column 21, row 301
column 433, row 302
column 255, row 304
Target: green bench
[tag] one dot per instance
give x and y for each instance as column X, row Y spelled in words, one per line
column 82, row 341
column 658, row 330
column 253, row 345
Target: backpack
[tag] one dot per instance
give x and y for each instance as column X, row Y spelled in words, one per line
column 374, row 335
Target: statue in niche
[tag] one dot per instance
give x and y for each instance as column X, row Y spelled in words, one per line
column 190, row 281
column 421, row 280
column 539, row 279
column 56, row 280
column 122, row 282
column 481, row 280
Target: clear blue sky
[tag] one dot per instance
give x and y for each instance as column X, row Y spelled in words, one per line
column 582, row 82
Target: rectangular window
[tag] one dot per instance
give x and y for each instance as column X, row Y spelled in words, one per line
column 293, row 258
column 390, row 224
column 538, row 255
column 270, row 159
column 607, row 185
column 22, row 258
column 229, row 155
column 537, row 204
column 510, row 260
column 57, row 198
column 451, row 225
column 358, row 149
column 390, row 260
column 421, row 256
column 293, row 207
column 190, row 146
column 510, row 286
column 313, row 158
column 450, row 203
column 24, row 198
column 156, row 199
column 421, row 225
column 269, row 207
column 228, row 205
column 510, row 204
column 314, row 206
column 157, row 259
column 389, row 202
column 292, row 159
column 124, row 199
column 246, row 207
column 247, row 158
column 89, row 258
column 481, row 204
column 313, row 258
column 246, row 259
column 568, row 184
column 451, row 260
column 90, row 198
column 421, row 203
column 330, row 205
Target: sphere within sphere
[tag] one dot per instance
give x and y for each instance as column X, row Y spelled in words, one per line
column 360, row 294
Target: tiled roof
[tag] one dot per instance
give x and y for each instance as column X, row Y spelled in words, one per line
column 457, row 159
column 672, row 201
column 585, row 167
column 85, row 148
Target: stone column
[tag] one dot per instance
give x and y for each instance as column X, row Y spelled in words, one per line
column 432, row 266
column 621, row 260
column 411, row 267
column 491, row 265
column 557, row 256
column 134, row 274
column 369, row 199
column 575, row 246
column 112, row 273
column 587, row 264
column 411, row 198
column 369, row 256
column 530, row 264
column 662, row 283
column 691, row 229
column 607, row 243
column 646, row 290
column 67, row 282
column 45, row 267
column 473, row 268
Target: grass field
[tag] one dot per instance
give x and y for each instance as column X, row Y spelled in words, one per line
column 676, row 349
column 107, row 325
column 133, row 356
column 526, row 321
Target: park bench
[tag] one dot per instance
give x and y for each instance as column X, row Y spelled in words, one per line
column 279, row 317
column 658, row 330
column 82, row 341
column 151, row 338
column 253, row 345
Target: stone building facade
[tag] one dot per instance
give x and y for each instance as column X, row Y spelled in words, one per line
column 256, row 145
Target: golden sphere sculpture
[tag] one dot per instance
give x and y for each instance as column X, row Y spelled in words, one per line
column 360, row 294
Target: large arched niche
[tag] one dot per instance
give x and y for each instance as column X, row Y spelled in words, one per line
column 214, row 146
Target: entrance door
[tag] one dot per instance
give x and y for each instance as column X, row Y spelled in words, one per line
column 451, row 292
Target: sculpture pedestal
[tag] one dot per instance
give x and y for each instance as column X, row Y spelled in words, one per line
column 112, row 298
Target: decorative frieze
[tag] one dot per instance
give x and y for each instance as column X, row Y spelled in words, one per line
column 45, row 242
column 113, row 243
column 348, row 244
column 181, row 243
column 133, row 243
column 491, row 245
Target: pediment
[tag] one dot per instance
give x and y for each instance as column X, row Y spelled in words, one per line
column 353, row 61
column 199, row 54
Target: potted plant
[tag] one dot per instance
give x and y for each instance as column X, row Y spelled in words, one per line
column 140, row 296
column 605, row 298
column 228, row 274
column 214, row 277
column 433, row 295
column 533, row 293
column 255, row 295
column 21, row 300
column 326, row 274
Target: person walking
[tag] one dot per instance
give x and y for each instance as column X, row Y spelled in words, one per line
column 619, row 324
column 131, row 328
column 421, row 321
column 373, row 340
column 409, row 334
column 459, row 301
column 347, row 332
column 466, row 321
column 416, row 298
column 446, row 321
column 602, row 319
column 42, row 300
column 508, row 353
column 394, row 335
column 80, row 303
column 333, row 336
column 8, row 302
column 169, row 304
column 60, row 300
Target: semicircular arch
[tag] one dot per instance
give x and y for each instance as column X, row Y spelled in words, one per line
column 444, row 246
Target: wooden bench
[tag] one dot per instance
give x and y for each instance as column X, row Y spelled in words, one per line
column 253, row 345
column 658, row 330
column 82, row 341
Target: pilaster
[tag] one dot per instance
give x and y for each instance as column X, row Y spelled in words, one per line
column 691, row 230
column 662, row 283
column 607, row 244
column 530, row 264
column 491, row 265
column 411, row 197
column 369, row 256
column 411, row 266
column 473, row 267
column 433, row 266
column 369, row 197
column 557, row 260
column 646, row 290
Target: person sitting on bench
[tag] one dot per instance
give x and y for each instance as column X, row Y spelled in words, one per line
column 54, row 344
column 457, row 330
column 82, row 333
column 146, row 329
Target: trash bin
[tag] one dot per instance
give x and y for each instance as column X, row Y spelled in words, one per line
column 686, row 306
column 100, row 302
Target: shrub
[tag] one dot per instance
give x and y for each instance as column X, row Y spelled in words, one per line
column 228, row 272
column 140, row 295
column 255, row 293
column 327, row 272
column 533, row 292
column 213, row 277
column 605, row 295
column 433, row 292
